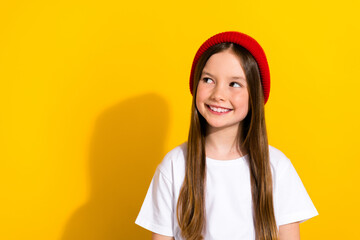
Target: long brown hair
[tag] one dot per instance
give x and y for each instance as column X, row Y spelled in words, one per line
column 252, row 137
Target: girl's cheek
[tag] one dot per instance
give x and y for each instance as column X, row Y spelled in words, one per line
column 201, row 91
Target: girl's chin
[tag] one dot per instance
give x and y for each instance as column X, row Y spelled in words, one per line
column 217, row 127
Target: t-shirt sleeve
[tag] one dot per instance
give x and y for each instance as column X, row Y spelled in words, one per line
column 156, row 213
column 292, row 202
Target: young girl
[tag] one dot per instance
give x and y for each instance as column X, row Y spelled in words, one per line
column 226, row 182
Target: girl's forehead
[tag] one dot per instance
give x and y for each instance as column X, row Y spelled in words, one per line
column 224, row 63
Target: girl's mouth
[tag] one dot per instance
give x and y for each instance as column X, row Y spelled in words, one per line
column 218, row 110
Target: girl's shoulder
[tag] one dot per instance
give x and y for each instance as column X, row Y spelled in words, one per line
column 278, row 160
column 176, row 154
column 174, row 159
column 276, row 155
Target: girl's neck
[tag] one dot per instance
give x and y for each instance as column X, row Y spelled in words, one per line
column 221, row 144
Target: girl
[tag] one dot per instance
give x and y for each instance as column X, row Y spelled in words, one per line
column 226, row 182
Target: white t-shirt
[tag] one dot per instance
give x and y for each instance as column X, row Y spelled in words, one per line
column 228, row 196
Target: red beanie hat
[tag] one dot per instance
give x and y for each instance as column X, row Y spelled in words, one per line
column 249, row 44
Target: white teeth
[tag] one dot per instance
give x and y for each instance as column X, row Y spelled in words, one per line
column 219, row 109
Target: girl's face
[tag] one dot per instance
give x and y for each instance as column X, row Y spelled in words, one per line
column 222, row 95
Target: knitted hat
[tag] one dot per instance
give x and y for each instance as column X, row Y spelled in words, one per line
column 248, row 43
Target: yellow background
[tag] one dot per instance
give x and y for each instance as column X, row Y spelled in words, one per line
column 94, row 93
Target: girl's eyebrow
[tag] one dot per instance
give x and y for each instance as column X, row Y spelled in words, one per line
column 234, row 77
column 206, row 73
column 238, row 77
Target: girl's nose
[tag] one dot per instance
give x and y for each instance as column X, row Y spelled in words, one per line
column 219, row 93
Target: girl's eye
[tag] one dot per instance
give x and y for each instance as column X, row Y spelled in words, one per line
column 207, row 80
column 235, row 84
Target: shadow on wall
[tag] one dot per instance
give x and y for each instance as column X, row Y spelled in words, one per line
column 126, row 147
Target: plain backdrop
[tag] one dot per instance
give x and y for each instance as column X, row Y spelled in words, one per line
column 95, row 93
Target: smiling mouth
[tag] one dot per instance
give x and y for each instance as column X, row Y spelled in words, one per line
column 219, row 109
